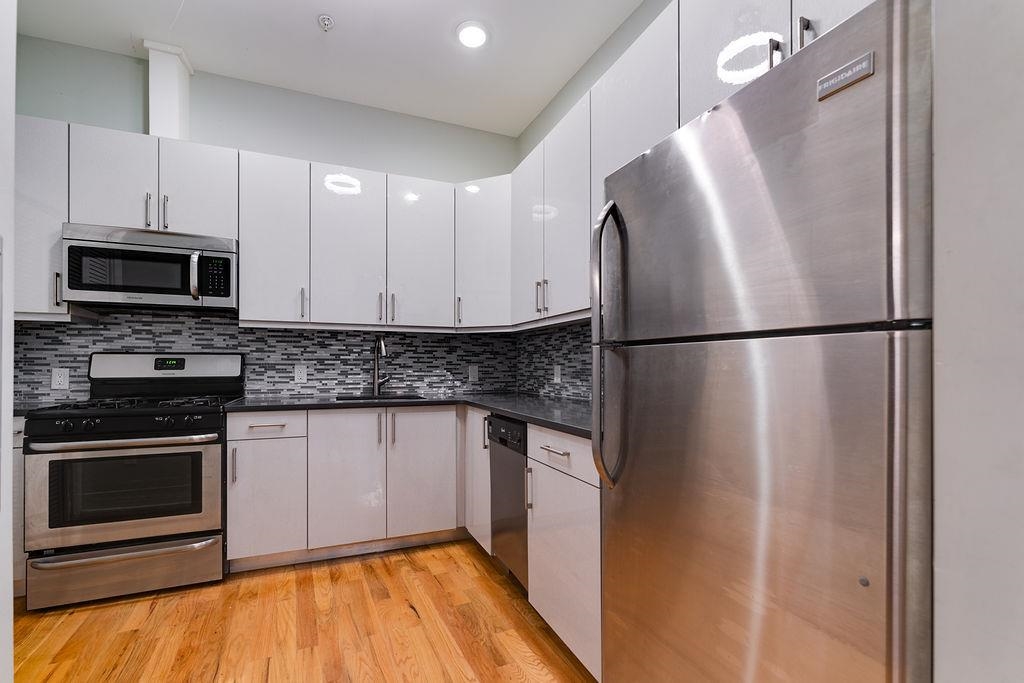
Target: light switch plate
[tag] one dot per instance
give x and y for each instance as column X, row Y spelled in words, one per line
column 301, row 374
column 558, row 374
column 60, row 378
column 474, row 373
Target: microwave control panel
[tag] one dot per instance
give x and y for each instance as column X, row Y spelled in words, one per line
column 215, row 274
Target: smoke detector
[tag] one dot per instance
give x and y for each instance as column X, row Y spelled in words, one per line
column 326, row 22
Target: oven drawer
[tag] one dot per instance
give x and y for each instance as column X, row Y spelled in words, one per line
column 77, row 577
column 278, row 424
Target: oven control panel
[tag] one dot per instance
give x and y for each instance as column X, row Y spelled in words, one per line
column 215, row 276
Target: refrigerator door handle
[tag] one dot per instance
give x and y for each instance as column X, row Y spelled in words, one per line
column 610, row 210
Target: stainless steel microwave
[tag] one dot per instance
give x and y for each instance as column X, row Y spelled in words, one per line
column 148, row 268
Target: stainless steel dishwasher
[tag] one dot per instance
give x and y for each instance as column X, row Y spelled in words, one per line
column 507, row 441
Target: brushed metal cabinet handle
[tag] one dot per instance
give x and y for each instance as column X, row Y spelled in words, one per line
column 394, row 306
column 394, row 428
column 773, row 47
column 234, row 465
column 302, row 302
column 268, row 425
column 536, row 297
column 528, row 482
column 166, row 199
column 458, row 308
column 555, row 451
column 485, row 444
column 544, row 294
column 802, row 27
column 380, row 436
column 380, row 306
column 58, row 290
column 149, row 202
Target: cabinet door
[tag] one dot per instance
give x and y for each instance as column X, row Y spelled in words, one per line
column 40, row 210
column 347, row 476
column 528, row 236
column 478, row 478
column 564, row 532
column 266, row 497
column 198, row 189
column 483, row 214
column 273, row 230
column 726, row 47
column 811, row 18
column 421, row 470
column 113, row 177
column 421, row 252
column 567, row 213
column 348, row 233
column 635, row 104
column 18, row 515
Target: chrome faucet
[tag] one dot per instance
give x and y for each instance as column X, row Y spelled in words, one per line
column 379, row 351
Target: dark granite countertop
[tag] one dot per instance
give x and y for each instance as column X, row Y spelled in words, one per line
column 565, row 415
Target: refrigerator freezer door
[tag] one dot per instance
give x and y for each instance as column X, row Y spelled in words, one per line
column 746, row 537
column 772, row 210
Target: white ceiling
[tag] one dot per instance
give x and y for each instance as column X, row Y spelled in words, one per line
column 400, row 55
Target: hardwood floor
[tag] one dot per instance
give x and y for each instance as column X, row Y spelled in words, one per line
column 440, row 613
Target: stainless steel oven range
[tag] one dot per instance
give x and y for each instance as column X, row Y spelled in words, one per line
column 124, row 491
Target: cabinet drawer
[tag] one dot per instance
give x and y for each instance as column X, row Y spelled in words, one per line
column 267, row 425
column 570, row 454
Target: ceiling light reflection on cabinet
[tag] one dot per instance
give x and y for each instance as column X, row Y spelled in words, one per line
column 544, row 212
column 472, row 189
column 734, row 76
column 411, row 197
column 340, row 183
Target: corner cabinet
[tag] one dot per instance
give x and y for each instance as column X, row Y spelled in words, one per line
column 40, row 210
column 733, row 47
column 348, row 253
column 273, row 230
column 421, row 252
column 114, row 178
column 483, row 215
column 635, row 104
column 421, row 478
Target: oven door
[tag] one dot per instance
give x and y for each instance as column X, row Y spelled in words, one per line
column 131, row 274
column 80, row 497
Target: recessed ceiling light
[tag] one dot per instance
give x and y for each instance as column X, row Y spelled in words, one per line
column 472, row 189
column 472, row 34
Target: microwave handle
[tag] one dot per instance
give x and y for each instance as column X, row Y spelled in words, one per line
column 193, row 275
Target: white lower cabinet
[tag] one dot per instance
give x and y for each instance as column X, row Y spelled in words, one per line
column 347, row 476
column 478, row 478
column 564, row 531
column 266, row 497
column 421, row 470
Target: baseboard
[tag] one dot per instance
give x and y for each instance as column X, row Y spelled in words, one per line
column 19, row 588
column 335, row 552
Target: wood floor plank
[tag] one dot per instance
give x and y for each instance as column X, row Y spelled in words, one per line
column 439, row 613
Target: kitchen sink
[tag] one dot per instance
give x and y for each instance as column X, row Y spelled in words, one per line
column 382, row 397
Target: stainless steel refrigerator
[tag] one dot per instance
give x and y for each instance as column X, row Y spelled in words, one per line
column 762, row 375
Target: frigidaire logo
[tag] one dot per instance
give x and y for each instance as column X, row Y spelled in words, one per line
column 846, row 75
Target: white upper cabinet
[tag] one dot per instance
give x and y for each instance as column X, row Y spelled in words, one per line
column 198, row 189
column 40, row 210
column 726, row 46
column 528, row 237
column 273, row 231
column 113, row 178
column 483, row 214
column 635, row 104
column 566, row 213
column 347, row 476
column 811, row 18
column 421, row 252
column 421, row 470
column 349, row 245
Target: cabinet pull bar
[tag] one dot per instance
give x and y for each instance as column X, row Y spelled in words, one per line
column 485, row 444
column 379, row 434
column 234, row 465
column 58, row 290
column 394, row 430
column 536, row 296
column 166, row 198
column 555, row 451
column 149, row 201
column 394, row 306
column 544, row 294
column 380, row 306
column 268, row 425
column 302, row 302
column 529, row 489
column 458, row 308
column 774, row 46
column 803, row 26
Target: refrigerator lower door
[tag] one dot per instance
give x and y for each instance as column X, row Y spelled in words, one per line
column 756, row 530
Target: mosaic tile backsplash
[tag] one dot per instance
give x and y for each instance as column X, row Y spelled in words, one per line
column 337, row 361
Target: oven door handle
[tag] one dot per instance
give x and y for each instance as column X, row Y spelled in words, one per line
column 187, row 547
column 67, row 446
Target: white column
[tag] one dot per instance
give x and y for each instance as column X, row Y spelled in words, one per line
column 979, row 342
column 169, row 74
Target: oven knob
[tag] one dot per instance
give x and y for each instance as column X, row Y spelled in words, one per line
column 167, row 421
column 66, row 425
column 88, row 425
column 192, row 419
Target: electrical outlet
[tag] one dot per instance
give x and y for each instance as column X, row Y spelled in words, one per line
column 60, row 378
column 301, row 374
column 474, row 373
column 558, row 374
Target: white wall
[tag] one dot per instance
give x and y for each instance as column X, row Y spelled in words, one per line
column 979, row 342
column 71, row 83
column 589, row 74
column 8, row 15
